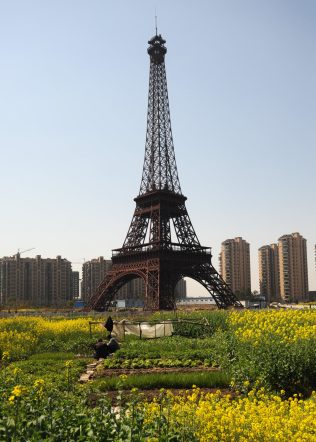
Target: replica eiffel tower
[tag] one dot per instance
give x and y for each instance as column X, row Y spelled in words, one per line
column 148, row 251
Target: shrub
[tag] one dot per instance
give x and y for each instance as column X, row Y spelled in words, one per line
column 277, row 365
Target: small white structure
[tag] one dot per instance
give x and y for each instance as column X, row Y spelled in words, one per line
column 200, row 300
column 141, row 329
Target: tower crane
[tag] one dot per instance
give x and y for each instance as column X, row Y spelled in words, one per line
column 23, row 251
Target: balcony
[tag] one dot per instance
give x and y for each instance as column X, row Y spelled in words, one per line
column 173, row 247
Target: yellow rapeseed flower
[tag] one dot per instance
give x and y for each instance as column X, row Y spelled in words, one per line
column 245, row 418
column 5, row 355
column 16, row 371
column 17, row 391
column 39, row 383
column 123, row 377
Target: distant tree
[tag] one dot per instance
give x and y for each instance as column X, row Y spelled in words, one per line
column 312, row 296
column 245, row 295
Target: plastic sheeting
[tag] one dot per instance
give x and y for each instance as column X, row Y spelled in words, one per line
column 142, row 329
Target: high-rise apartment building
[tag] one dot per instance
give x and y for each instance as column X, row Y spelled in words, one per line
column 293, row 267
column 133, row 292
column 75, row 284
column 269, row 272
column 181, row 290
column 35, row 281
column 234, row 262
column 93, row 272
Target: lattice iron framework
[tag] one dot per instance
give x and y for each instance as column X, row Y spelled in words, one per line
column 149, row 251
column 160, row 169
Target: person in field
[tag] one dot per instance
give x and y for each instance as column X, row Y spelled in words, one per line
column 113, row 345
column 108, row 325
column 103, row 349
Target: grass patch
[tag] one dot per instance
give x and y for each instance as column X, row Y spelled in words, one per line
column 176, row 347
column 59, row 356
column 48, row 366
column 216, row 379
column 214, row 320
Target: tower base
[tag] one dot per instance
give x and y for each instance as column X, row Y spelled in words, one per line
column 161, row 270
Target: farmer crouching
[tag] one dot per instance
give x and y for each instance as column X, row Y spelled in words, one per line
column 100, row 349
column 113, row 345
column 103, row 349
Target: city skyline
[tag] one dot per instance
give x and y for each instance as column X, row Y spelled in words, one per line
column 234, row 267
column 72, row 122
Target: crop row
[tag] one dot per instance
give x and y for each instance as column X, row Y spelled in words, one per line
column 151, row 363
column 34, row 412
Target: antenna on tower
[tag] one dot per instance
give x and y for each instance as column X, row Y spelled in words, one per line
column 156, row 21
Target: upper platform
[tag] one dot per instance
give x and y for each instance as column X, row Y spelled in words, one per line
column 157, row 49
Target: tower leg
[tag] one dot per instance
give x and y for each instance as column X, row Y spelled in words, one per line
column 152, row 288
column 222, row 294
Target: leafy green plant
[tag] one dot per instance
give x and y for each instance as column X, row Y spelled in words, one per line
column 196, row 324
column 211, row 379
column 157, row 362
column 276, row 365
column 176, row 347
column 48, row 366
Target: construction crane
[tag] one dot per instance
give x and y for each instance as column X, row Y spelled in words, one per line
column 23, row 251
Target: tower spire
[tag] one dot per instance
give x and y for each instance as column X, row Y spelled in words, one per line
column 160, row 169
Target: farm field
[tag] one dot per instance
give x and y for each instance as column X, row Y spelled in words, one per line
column 245, row 375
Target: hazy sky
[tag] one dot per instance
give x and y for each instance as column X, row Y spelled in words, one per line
column 73, row 102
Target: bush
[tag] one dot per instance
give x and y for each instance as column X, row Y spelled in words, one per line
column 203, row 324
column 277, row 365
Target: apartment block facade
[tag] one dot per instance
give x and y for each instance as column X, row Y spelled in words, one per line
column 75, row 284
column 269, row 272
column 133, row 292
column 293, row 267
column 234, row 263
column 35, row 282
column 93, row 272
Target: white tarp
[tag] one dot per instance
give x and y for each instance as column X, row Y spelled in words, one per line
column 143, row 329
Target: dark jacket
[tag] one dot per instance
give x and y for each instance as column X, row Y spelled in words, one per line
column 101, row 350
column 113, row 345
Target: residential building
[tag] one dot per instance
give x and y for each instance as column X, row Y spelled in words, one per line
column 269, row 272
column 293, row 267
column 93, row 272
column 234, row 262
column 181, row 289
column 35, row 282
column 133, row 292
column 75, row 284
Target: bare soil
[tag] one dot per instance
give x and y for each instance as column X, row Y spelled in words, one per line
column 150, row 394
column 130, row 371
